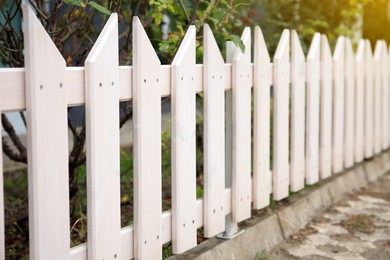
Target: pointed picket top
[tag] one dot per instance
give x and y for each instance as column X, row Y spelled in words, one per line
column 360, row 51
column 186, row 48
column 210, row 45
column 297, row 54
column 378, row 50
column 339, row 49
column 246, row 40
column 282, row 49
column 348, row 47
column 261, row 46
column 110, row 28
column 32, row 26
column 143, row 45
column 314, row 46
column 325, row 48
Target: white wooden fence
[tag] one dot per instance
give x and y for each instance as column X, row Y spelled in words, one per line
column 339, row 116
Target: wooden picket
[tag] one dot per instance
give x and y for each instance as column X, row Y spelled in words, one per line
column 241, row 99
column 338, row 121
column 359, row 103
column 326, row 110
column 378, row 97
column 385, row 97
column 280, row 158
column 183, row 145
column 298, row 80
column 368, row 101
column 338, row 106
column 103, row 170
column 214, row 136
column 147, row 146
column 262, row 179
column 349, row 106
column 313, row 110
column 47, row 139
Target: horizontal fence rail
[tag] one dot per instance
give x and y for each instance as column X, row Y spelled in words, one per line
column 311, row 117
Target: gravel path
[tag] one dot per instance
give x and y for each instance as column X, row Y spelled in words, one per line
column 356, row 228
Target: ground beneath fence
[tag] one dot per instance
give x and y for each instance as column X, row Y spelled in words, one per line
column 356, row 228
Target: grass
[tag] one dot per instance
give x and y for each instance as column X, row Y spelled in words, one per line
column 359, row 223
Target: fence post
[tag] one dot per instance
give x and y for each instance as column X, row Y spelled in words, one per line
column 280, row 158
column 349, row 130
column 262, row 178
column 298, row 83
column 183, row 100
column 214, row 136
column 47, row 136
column 147, row 146
column 338, row 106
column 326, row 105
column 359, row 102
column 368, row 102
column 102, row 142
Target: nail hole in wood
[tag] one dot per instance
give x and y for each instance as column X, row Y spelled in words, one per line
column 112, row 83
column 181, row 78
column 41, row 86
column 144, row 80
column 61, row 85
column 100, row 84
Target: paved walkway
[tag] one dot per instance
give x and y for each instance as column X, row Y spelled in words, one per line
column 356, row 228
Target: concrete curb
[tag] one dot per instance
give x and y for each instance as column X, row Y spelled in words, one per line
column 272, row 226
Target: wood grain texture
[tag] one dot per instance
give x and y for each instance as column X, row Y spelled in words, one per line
column 214, row 136
column 183, row 145
column 281, row 118
column 338, row 106
column 47, row 139
column 262, row 179
column 359, row 103
column 241, row 97
column 326, row 103
column 102, row 144
column 368, row 102
column 298, row 102
column 147, row 146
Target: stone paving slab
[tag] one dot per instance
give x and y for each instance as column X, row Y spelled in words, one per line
column 358, row 227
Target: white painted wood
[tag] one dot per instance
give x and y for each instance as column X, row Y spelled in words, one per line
column 147, row 146
column 241, row 97
column 281, row 118
column 214, row 136
column 298, row 84
column 262, row 179
column 338, row 106
column 385, row 97
column 47, row 139
column 368, row 101
column 102, row 144
column 378, row 97
column 326, row 105
column 359, row 103
column 313, row 110
column 13, row 89
column 183, row 145
column 349, row 119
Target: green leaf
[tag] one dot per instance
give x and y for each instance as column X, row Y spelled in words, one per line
column 75, row 2
column 100, row 8
column 238, row 42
